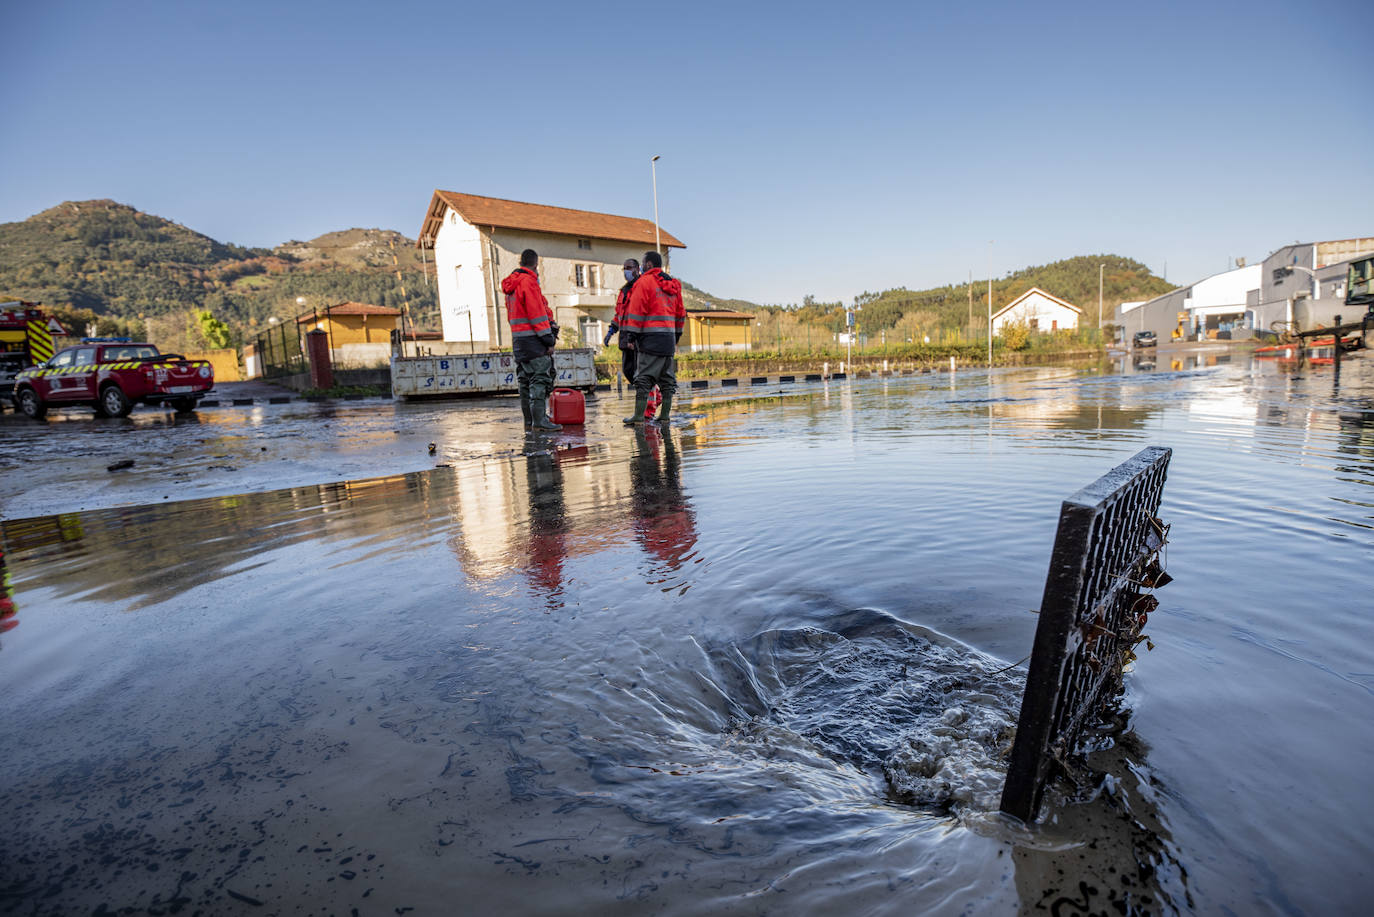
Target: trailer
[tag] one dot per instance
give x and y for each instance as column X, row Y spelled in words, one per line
column 481, row 373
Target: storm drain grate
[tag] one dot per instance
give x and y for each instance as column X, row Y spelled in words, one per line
column 1106, row 553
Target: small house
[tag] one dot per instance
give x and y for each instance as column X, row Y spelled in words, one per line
column 1038, row 311
column 718, row 329
column 359, row 333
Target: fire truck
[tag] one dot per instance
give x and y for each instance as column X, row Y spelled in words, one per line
column 25, row 340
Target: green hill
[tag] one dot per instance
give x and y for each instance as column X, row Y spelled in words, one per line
column 949, row 307
column 108, row 263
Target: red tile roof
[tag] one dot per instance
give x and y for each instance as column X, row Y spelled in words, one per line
column 346, row 308
column 503, row 214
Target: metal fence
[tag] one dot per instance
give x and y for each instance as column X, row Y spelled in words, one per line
column 1106, row 555
column 281, row 351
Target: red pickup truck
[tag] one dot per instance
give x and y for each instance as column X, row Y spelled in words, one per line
column 112, row 378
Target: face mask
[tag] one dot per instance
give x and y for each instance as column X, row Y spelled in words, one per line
column 629, row 274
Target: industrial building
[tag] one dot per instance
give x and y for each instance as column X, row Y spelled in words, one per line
column 1298, row 286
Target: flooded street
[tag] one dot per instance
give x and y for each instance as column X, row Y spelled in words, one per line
column 761, row 663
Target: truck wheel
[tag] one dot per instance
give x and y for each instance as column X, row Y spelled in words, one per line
column 31, row 404
column 183, row 405
column 114, row 402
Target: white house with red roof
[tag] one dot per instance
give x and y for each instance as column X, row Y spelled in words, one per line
column 477, row 241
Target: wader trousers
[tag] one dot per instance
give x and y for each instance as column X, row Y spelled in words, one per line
column 535, row 379
column 652, row 369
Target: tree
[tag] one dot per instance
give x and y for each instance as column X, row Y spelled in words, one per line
column 214, row 332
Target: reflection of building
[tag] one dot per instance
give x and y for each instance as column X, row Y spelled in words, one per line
column 477, row 241
column 1038, row 311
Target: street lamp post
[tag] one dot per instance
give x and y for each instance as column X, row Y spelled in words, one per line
column 989, row 304
column 653, row 171
column 1099, row 297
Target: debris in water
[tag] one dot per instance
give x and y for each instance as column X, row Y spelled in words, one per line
column 120, row 465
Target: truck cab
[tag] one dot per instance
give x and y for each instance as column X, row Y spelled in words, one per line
column 112, row 376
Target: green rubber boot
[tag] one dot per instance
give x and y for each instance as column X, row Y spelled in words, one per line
column 541, row 418
column 641, row 405
column 665, row 411
column 525, row 409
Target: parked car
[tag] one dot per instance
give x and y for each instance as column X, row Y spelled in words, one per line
column 112, row 377
column 1143, row 339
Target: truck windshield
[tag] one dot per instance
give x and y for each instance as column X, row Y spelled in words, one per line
column 1359, row 287
column 131, row 352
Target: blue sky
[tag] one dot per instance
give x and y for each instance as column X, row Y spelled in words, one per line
column 806, row 147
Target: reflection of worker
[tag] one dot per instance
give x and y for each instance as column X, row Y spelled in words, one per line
column 534, row 334
column 653, row 322
column 663, row 520
column 548, row 521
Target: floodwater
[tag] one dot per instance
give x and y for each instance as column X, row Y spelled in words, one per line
column 757, row 664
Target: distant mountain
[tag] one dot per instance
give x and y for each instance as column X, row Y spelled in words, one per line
column 106, row 259
column 1072, row 279
column 101, row 260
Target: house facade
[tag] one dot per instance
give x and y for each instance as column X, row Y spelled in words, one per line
column 1039, row 311
column 477, row 241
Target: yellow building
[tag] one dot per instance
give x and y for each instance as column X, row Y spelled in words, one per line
column 719, row 329
column 352, row 323
column 359, row 333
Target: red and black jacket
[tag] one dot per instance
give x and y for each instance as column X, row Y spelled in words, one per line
column 655, row 315
column 532, row 329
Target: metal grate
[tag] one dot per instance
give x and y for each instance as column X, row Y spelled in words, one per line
column 1105, row 553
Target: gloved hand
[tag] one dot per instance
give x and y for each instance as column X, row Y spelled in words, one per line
column 606, row 341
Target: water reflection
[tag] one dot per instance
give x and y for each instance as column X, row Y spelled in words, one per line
column 775, row 678
column 548, row 526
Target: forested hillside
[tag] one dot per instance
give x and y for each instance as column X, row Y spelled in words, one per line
column 963, row 306
column 105, row 263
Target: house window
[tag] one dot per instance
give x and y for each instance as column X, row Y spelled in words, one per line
column 594, row 277
column 1035, row 324
column 579, row 275
column 584, row 245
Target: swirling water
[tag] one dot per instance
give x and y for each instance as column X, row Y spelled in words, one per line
column 762, row 663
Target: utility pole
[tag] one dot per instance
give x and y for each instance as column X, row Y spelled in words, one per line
column 989, row 304
column 653, row 169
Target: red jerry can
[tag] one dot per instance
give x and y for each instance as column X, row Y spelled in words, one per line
column 566, row 405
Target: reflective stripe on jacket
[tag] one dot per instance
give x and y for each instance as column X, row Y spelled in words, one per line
column 655, row 316
column 531, row 322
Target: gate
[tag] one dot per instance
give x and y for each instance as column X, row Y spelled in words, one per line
column 1106, row 553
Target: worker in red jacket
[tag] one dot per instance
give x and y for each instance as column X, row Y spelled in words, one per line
column 654, row 321
column 622, row 303
column 534, row 334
